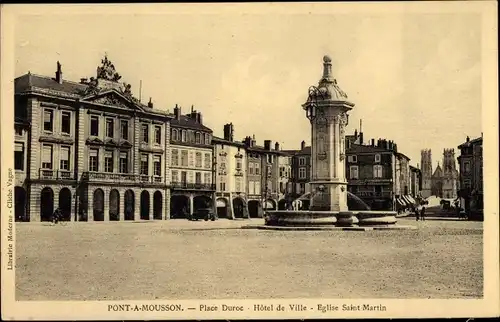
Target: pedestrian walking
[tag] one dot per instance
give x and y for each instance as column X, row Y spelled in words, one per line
column 422, row 213
column 417, row 214
column 56, row 216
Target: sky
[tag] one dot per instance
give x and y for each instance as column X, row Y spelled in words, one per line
column 415, row 78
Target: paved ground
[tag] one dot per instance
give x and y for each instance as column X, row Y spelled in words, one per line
column 178, row 259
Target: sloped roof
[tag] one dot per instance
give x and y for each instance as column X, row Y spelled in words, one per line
column 359, row 148
column 26, row 83
column 471, row 142
column 217, row 139
column 187, row 122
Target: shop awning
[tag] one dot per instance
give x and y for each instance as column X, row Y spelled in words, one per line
column 410, row 198
column 401, row 202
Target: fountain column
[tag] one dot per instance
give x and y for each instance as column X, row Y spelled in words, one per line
column 326, row 108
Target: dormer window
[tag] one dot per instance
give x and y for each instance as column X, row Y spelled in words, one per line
column 377, row 158
column 198, row 138
column 353, row 158
column 175, row 135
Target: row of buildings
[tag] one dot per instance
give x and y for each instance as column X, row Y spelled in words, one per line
column 99, row 154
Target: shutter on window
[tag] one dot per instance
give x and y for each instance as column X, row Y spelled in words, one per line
column 19, row 147
column 47, row 154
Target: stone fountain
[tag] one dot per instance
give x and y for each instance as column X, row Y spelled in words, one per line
column 326, row 108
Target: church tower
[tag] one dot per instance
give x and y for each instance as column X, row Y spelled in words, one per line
column 450, row 174
column 426, row 168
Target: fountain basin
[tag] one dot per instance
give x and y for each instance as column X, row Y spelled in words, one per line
column 311, row 218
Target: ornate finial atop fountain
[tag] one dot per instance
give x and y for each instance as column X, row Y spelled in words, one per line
column 327, row 67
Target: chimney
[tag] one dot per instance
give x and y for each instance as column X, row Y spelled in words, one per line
column 252, row 142
column 200, row 118
column 59, row 78
column 468, row 139
column 373, row 142
column 228, row 132
column 267, row 145
column 355, row 134
column 177, row 112
column 150, row 103
column 302, row 145
column 361, row 138
column 247, row 141
column 276, row 146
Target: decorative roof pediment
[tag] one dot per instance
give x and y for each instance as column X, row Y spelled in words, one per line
column 95, row 141
column 112, row 98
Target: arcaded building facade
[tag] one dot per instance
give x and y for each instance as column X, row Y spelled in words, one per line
column 93, row 149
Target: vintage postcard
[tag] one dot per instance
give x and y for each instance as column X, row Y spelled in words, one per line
column 236, row 161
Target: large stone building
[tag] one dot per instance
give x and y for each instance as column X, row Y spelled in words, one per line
column 231, row 175
column 93, row 149
column 443, row 181
column 471, row 174
column 191, row 165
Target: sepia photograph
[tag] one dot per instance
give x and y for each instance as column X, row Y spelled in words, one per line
column 268, row 160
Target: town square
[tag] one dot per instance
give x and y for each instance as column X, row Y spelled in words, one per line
column 211, row 157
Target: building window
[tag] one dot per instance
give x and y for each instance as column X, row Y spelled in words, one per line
column 222, row 186
column 238, row 184
column 207, row 178
column 175, row 135
column 94, row 125
column 110, row 129
column 377, row 158
column 191, row 177
column 208, row 161
column 377, row 171
column 183, row 135
column 48, row 120
column 175, row 157
column 64, row 158
column 145, row 133
column 250, row 168
column 144, row 164
column 238, row 164
column 302, row 161
column 108, row 161
column 353, row 172
column 94, row 160
column 251, row 187
column 190, row 136
column 184, row 177
column 198, row 178
column 157, row 165
column 198, row 159
column 124, row 129
column 352, row 158
column 258, row 191
column 198, row 138
column 19, row 156
column 467, row 167
column 123, row 162
column 257, row 168
column 65, row 122
column 207, row 139
column 157, row 134
column 47, row 156
column 184, row 158
column 191, row 159
column 302, row 173
column 175, row 176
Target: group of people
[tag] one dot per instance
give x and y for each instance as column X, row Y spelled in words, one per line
column 419, row 213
